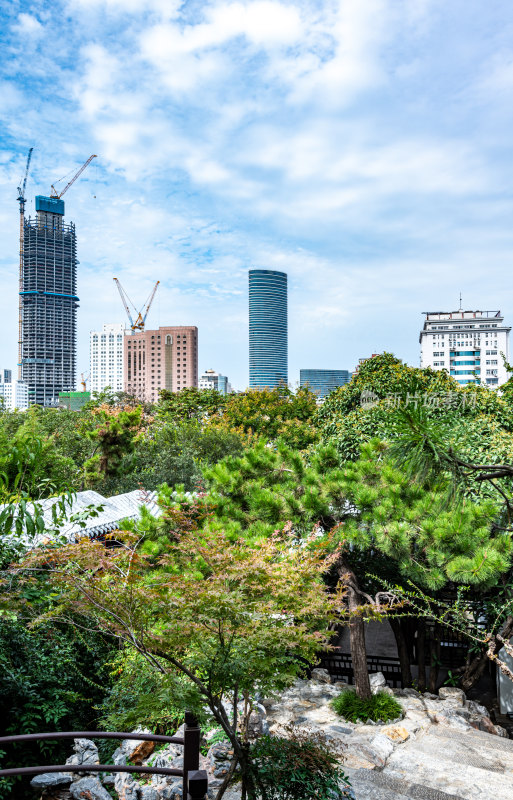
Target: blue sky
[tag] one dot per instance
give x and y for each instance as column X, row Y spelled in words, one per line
column 362, row 146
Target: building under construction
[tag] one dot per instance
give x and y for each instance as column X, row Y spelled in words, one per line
column 48, row 303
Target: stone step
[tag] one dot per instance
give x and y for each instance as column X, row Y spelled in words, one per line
column 481, row 738
column 371, row 785
column 454, row 764
column 468, row 751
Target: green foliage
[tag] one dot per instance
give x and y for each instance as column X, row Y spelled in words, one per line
column 380, row 707
column 271, row 414
column 410, row 523
column 300, row 767
column 52, row 678
column 190, row 403
column 114, row 434
column 142, row 696
column 29, row 463
column 474, row 420
column 173, row 453
column 215, row 611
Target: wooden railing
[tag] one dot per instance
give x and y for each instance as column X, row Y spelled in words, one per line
column 194, row 780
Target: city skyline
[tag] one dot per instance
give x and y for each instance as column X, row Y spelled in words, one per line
column 362, row 148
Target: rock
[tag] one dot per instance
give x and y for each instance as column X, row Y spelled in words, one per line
column 149, row 793
column 396, row 733
column 377, row 682
column 48, row 779
column 382, row 745
column 321, row 675
column 342, row 686
column 456, row 696
column 86, row 752
column 476, row 708
column 341, row 729
column 89, row 788
column 56, row 793
column 140, row 753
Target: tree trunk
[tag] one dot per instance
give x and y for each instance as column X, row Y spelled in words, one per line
column 402, row 651
column 421, row 654
column 435, row 658
column 357, row 639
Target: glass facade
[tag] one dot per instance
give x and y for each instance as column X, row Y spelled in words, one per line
column 323, row 381
column 267, row 328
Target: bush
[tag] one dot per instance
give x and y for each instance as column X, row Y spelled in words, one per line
column 301, row 767
column 380, row 706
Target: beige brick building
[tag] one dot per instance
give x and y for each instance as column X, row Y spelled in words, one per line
column 166, row 358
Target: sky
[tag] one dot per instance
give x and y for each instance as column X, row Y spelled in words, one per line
column 362, row 146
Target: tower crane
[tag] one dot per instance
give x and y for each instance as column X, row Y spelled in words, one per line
column 140, row 320
column 83, row 381
column 21, row 200
column 55, row 193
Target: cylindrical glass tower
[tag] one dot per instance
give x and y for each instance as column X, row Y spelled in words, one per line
column 267, row 328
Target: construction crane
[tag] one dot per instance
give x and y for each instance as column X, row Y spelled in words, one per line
column 21, row 201
column 55, row 193
column 140, row 320
column 83, row 381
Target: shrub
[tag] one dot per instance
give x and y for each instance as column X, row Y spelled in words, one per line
column 380, row 706
column 300, row 767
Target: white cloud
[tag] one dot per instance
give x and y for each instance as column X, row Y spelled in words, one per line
column 28, row 25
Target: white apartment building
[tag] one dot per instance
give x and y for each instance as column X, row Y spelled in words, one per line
column 14, row 394
column 213, row 380
column 467, row 344
column 106, row 358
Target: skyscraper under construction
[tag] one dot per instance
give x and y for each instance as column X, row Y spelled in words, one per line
column 48, row 303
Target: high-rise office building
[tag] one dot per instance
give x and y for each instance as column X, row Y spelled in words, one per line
column 268, row 356
column 106, row 358
column 49, row 303
column 166, row 358
column 467, row 344
column 213, row 380
column 322, row 381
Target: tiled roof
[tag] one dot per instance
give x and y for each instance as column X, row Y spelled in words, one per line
column 114, row 510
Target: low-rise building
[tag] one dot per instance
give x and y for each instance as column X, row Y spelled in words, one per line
column 469, row 345
column 322, row 381
column 213, row 380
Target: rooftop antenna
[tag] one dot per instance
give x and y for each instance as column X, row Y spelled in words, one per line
column 461, row 308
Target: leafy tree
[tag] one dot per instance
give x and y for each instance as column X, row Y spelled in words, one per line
column 114, row 434
column 190, row 403
column 230, row 618
column 29, row 465
column 271, row 414
column 52, row 679
column 390, row 525
column 476, row 420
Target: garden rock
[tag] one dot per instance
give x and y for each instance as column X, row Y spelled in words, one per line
column 321, row 675
column 86, row 752
column 143, row 750
column 377, row 682
column 396, row 733
column 89, row 788
column 50, row 779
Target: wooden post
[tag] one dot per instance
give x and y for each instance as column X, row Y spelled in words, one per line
column 198, row 785
column 191, row 748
